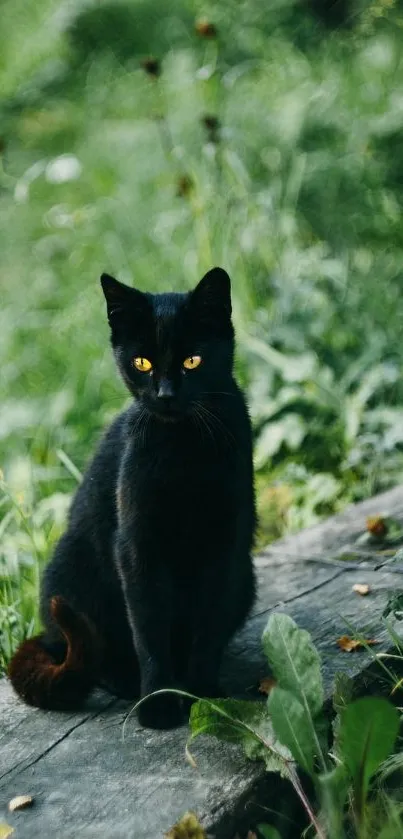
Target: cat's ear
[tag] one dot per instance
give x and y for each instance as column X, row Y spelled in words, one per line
column 213, row 292
column 120, row 297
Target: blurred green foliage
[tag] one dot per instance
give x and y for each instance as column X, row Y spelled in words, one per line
column 270, row 143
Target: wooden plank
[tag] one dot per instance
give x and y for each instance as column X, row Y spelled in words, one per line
column 88, row 782
column 91, row 783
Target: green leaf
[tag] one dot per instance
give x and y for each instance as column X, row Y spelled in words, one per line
column 292, row 727
column 368, row 730
column 267, row 831
column 333, row 788
column 293, row 368
column 246, row 723
column 290, row 431
column 392, row 830
column 294, row 661
column 392, row 827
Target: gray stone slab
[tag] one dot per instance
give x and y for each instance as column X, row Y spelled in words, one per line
column 88, row 781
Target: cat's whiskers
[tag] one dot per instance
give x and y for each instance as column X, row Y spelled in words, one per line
column 213, row 423
column 194, row 416
column 218, row 421
column 143, row 428
column 146, row 424
column 140, row 426
column 204, row 422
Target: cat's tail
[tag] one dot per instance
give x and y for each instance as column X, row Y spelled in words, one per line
column 41, row 679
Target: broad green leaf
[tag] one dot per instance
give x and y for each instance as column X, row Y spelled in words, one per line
column 294, row 661
column 246, row 723
column 368, row 730
column 267, row 831
column 290, row 431
column 293, row 368
column 226, row 719
column 292, row 727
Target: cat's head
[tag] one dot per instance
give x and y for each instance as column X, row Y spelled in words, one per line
column 172, row 350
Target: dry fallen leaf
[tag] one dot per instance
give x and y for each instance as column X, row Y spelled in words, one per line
column 187, row 828
column 361, row 588
column 189, row 757
column 5, row 830
column 20, row 802
column 266, row 685
column 349, row 645
column 251, row 835
column 377, row 526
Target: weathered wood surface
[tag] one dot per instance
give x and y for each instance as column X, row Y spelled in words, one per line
column 88, row 781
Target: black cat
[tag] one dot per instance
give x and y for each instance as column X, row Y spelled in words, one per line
column 154, row 573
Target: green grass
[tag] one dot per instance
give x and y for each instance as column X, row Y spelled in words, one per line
column 301, row 201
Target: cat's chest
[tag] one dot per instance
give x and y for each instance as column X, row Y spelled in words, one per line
column 172, row 483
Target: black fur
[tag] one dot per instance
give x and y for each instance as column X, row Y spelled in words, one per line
column 157, row 553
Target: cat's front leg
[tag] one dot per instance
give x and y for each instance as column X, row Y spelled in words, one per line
column 146, row 588
column 225, row 596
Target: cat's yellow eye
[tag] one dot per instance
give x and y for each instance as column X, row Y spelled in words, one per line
column 142, row 364
column 192, row 362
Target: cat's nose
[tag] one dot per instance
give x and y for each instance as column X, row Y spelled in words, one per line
column 165, row 390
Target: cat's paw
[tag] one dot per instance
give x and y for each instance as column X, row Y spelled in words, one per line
column 122, row 688
column 162, row 711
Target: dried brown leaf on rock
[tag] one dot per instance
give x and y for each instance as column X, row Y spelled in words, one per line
column 188, row 827
column 266, row 685
column 377, row 526
column 349, row 645
column 5, row 830
column 20, row 802
column 361, row 588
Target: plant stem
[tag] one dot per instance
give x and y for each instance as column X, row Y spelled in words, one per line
column 305, row 802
